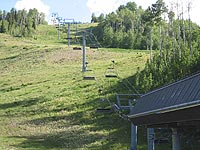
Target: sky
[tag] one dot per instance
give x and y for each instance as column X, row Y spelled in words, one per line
column 81, row 10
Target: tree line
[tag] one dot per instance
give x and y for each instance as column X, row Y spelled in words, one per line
column 21, row 22
column 157, row 27
column 176, row 40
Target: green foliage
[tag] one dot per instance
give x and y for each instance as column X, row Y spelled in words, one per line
column 94, row 18
column 20, row 23
column 132, row 27
column 4, row 26
column 164, row 70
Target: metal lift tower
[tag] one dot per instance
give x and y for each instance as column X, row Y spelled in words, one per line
column 68, row 22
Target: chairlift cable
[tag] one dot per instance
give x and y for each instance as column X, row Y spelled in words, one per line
column 129, row 86
column 96, row 39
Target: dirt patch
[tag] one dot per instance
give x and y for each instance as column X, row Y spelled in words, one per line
column 64, row 56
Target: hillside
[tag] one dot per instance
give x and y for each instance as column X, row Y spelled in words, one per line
column 45, row 104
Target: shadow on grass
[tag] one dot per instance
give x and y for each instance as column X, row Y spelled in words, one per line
column 10, row 58
column 23, row 103
column 84, row 128
column 73, row 139
column 19, row 87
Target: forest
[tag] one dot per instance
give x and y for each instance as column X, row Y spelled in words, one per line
column 20, row 23
column 132, row 27
column 173, row 41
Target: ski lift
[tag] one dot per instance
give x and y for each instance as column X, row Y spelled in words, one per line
column 88, row 74
column 68, row 38
column 93, row 46
column 77, row 48
column 110, row 72
column 103, row 110
column 116, row 108
column 77, row 42
column 88, row 78
column 111, row 76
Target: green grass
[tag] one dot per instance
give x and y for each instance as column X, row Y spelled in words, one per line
column 45, row 104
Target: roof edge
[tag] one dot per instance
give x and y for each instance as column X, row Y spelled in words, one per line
column 167, row 109
column 171, row 84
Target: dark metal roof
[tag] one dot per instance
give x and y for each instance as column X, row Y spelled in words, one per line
column 180, row 95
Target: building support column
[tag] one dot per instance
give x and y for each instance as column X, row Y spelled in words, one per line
column 175, row 139
column 133, row 137
column 150, row 138
column 133, row 129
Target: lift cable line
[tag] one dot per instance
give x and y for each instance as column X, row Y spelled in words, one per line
column 112, row 72
column 109, row 73
column 62, row 21
column 68, row 22
column 93, row 39
column 85, row 63
column 121, row 98
column 77, row 40
column 96, row 39
column 86, row 35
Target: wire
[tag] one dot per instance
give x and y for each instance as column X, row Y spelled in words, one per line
column 96, row 39
column 129, row 86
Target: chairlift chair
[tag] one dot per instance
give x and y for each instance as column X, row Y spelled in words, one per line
column 87, row 75
column 116, row 108
column 77, row 48
column 68, row 38
column 110, row 72
column 89, row 78
column 93, row 46
column 111, row 76
column 103, row 110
